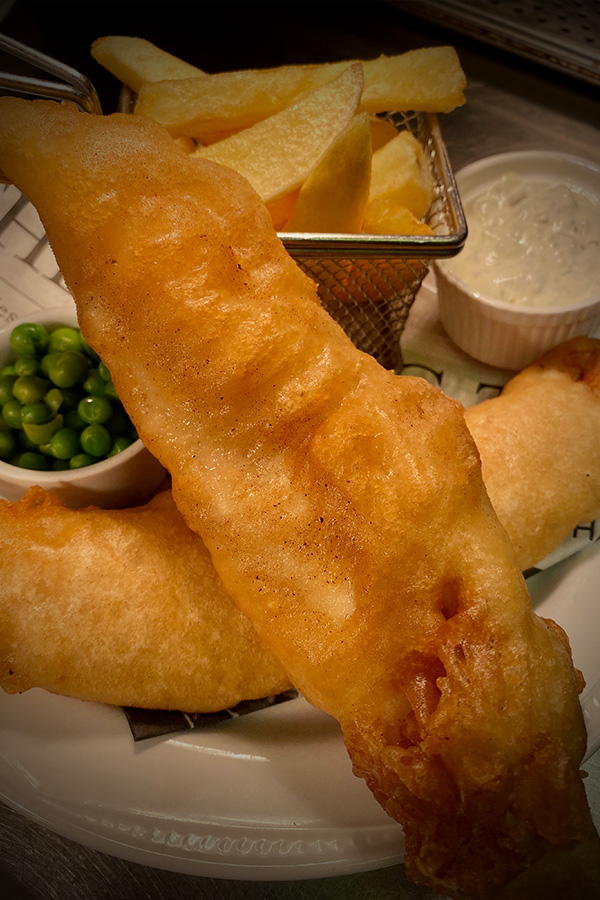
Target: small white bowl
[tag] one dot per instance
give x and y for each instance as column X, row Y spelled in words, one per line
column 127, row 479
column 494, row 331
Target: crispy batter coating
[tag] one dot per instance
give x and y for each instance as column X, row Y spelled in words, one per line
column 343, row 506
column 539, row 443
column 122, row 607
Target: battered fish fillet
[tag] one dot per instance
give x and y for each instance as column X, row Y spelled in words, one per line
column 343, row 506
column 122, row 607
column 539, row 443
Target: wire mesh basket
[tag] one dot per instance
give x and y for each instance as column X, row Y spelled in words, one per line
column 368, row 283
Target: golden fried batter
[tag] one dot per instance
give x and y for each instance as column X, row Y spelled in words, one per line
column 343, row 506
column 122, row 607
column 539, row 443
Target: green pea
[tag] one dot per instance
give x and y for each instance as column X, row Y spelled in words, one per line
column 81, row 460
column 26, row 365
column 25, row 442
column 6, row 388
column 104, row 373
column 65, row 338
column 94, row 384
column 28, row 339
column 30, row 389
column 11, row 413
column 120, row 443
column 8, row 445
column 74, row 420
column 71, row 397
column 29, row 460
column 95, row 440
column 54, row 399
column 36, row 413
column 48, row 360
column 42, row 433
column 110, row 391
column 58, row 404
column 95, row 410
column 89, row 351
column 65, row 443
column 69, row 369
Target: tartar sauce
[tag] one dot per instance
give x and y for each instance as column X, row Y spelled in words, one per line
column 531, row 243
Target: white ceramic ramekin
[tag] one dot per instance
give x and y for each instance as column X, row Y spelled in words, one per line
column 499, row 333
column 127, row 479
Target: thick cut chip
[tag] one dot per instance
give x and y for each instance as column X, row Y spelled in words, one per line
column 384, row 216
column 382, row 131
column 278, row 154
column 400, row 173
column 343, row 505
column 134, row 60
column 282, row 208
column 425, row 80
column 122, row 607
column 334, row 196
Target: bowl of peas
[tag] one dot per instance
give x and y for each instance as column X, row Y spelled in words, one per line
column 62, row 425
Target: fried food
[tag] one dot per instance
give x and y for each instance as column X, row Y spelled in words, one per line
column 334, row 196
column 384, row 216
column 134, row 61
column 428, row 80
column 343, row 506
column 539, row 442
column 276, row 155
column 122, row 607
column 551, row 419
column 401, row 175
column 285, row 129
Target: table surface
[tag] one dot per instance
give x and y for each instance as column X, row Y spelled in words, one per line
column 512, row 104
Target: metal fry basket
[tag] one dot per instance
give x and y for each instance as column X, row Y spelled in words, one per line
column 367, row 283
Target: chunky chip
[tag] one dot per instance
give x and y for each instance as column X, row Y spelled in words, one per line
column 277, row 154
column 135, row 61
column 334, row 196
column 256, row 122
column 385, row 216
column 426, row 80
column 400, row 172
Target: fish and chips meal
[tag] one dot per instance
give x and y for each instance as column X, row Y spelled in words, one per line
column 343, row 506
column 309, row 138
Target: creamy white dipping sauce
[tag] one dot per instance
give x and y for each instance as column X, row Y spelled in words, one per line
column 531, row 243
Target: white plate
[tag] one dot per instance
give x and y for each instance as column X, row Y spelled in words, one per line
column 268, row 796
